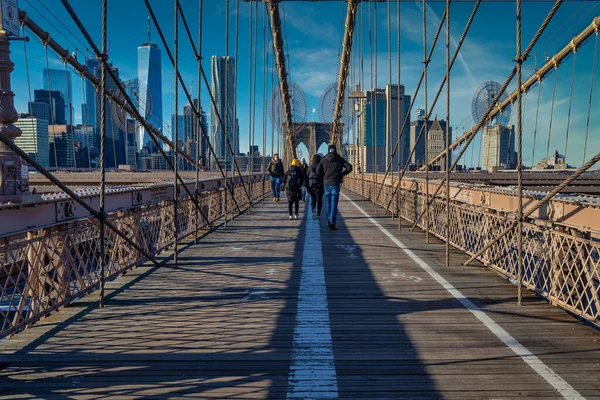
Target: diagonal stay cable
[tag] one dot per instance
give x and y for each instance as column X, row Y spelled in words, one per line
column 500, row 107
column 205, row 79
column 437, row 96
column 57, row 182
column 413, row 99
column 122, row 91
column 494, row 103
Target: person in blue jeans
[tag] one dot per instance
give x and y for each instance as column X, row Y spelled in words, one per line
column 275, row 170
column 332, row 169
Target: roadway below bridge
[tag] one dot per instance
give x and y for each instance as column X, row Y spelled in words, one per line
column 274, row 308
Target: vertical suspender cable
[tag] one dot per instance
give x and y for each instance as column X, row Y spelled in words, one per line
column 447, row 144
column 587, row 127
column 264, row 103
column 551, row 113
column 398, row 205
column 226, row 127
column 570, row 104
column 519, row 159
column 175, row 128
column 102, row 152
column 391, row 95
column 425, row 62
column 29, row 88
column 199, row 116
column 375, row 103
column 250, row 88
column 236, row 139
column 537, row 113
column 52, row 106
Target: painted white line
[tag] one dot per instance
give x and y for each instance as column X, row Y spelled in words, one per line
column 312, row 374
column 566, row 390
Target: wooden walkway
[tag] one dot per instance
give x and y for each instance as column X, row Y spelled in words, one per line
column 250, row 313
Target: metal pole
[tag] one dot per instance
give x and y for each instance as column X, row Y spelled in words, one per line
column 103, row 153
column 519, row 62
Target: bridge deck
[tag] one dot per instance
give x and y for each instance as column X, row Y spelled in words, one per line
column 254, row 313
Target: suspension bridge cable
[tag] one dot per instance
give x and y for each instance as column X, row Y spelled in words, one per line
column 447, row 134
column 426, row 124
column 519, row 61
column 551, row 114
column 537, row 113
column 587, row 125
column 570, row 104
column 400, row 103
column 199, row 117
column 103, row 149
column 196, row 110
column 52, row 108
column 133, row 109
column 175, row 127
column 472, row 133
column 211, row 95
column 29, row 91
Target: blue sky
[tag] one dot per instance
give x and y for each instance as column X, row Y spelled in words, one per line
column 313, row 37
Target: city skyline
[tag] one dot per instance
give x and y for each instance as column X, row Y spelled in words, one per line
column 313, row 39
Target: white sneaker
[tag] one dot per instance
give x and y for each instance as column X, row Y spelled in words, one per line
column 296, row 217
column 291, row 217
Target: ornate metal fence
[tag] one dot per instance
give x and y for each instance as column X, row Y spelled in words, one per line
column 560, row 264
column 45, row 269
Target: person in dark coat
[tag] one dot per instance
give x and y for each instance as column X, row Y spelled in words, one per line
column 305, row 187
column 275, row 170
column 294, row 180
column 315, row 187
column 333, row 168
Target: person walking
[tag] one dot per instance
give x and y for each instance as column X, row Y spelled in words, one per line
column 275, row 170
column 333, row 168
column 294, row 180
column 305, row 187
column 315, row 187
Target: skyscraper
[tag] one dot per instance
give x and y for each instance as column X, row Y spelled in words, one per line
column 60, row 79
column 115, row 136
column 374, row 130
column 39, row 109
column 150, row 83
column 498, row 147
column 88, row 110
column 56, row 103
column 34, row 138
column 436, row 141
column 190, row 129
column 396, row 102
column 222, row 71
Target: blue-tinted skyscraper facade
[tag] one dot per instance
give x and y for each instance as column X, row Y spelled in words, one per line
column 222, row 72
column 150, row 96
column 60, row 79
column 88, row 114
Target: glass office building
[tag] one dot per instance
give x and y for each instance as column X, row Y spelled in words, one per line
column 150, row 96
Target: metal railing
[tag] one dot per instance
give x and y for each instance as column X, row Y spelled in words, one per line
column 45, row 269
column 560, row 264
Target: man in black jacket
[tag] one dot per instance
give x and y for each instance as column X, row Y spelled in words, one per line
column 332, row 168
column 275, row 170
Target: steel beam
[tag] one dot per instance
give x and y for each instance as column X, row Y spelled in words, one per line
column 275, row 19
column 61, row 208
column 345, row 63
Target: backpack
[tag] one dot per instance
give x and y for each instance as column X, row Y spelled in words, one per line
column 293, row 182
column 313, row 178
